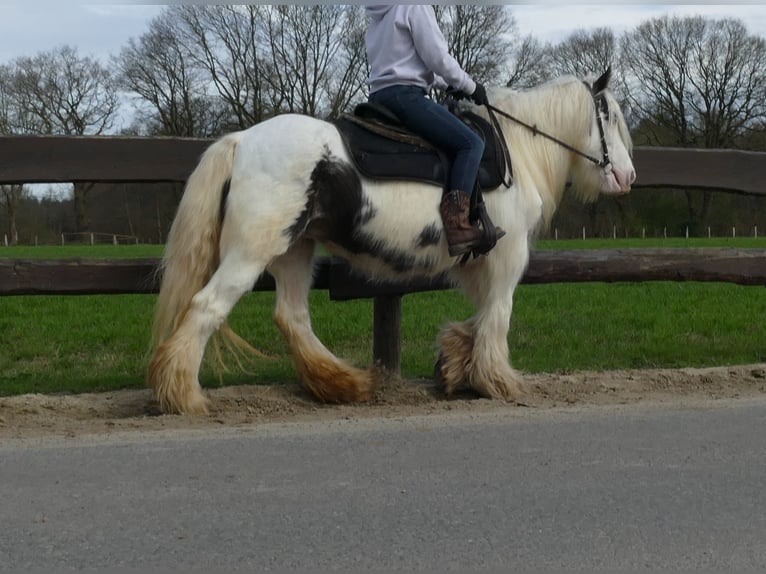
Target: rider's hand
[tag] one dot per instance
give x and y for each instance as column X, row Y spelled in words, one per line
column 479, row 95
column 456, row 94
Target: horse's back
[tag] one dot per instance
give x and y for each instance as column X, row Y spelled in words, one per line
column 286, row 147
column 291, row 131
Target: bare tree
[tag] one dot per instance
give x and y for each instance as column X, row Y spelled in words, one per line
column 729, row 84
column 65, row 93
column 529, row 65
column 349, row 70
column 317, row 57
column 583, row 52
column 484, row 40
column 172, row 92
column 658, row 58
column 5, row 100
column 223, row 41
column 10, row 197
column 61, row 92
column 480, row 37
column 589, row 53
column 695, row 82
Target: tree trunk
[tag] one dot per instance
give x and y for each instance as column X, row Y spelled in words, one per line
column 707, row 202
column 14, row 239
column 82, row 220
column 11, row 197
column 693, row 221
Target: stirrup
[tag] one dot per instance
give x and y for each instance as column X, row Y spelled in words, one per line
column 463, row 248
column 490, row 234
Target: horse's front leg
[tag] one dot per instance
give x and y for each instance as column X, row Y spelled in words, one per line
column 474, row 353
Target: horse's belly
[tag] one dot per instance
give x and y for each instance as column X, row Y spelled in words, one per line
column 402, row 267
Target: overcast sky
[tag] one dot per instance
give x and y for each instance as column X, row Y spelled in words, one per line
column 28, row 27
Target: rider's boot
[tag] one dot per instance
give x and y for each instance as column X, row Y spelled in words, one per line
column 462, row 237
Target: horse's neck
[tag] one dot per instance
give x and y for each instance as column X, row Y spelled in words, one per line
column 540, row 156
column 540, row 164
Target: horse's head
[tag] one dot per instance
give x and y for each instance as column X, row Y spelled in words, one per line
column 609, row 140
column 569, row 133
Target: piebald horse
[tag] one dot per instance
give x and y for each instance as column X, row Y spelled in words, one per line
column 261, row 199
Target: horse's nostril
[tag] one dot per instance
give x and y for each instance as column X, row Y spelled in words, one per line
column 632, row 176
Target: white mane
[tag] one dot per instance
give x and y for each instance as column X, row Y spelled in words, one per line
column 564, row 109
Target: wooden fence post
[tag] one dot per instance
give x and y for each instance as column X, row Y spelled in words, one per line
column 387, row 333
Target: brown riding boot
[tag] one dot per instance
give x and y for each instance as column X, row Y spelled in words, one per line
column 462, row 237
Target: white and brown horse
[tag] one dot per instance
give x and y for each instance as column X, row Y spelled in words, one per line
column 261, row 199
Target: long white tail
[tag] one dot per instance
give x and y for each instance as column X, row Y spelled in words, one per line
column 191, row 252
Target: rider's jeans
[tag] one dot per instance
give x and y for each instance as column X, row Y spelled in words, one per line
column 436, row 124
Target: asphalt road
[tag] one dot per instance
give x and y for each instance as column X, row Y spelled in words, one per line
column 599, row 488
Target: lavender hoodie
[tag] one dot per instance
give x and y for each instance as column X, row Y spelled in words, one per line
column 406, row 47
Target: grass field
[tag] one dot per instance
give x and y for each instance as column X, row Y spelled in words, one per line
column 120, row 251
column 83, row 343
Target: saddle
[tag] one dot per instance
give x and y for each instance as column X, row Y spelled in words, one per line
column 381, row 148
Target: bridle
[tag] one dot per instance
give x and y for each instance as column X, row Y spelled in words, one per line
column 600, row 104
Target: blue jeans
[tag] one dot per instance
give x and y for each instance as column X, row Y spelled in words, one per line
column 437, row 125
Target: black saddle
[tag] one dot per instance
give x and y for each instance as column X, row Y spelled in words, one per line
column 382, row 148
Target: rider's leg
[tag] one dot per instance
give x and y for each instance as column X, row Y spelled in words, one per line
column 439, row 126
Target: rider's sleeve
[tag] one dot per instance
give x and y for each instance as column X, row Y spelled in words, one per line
column 433, row 50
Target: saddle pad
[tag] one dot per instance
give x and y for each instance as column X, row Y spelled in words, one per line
column 383, row 151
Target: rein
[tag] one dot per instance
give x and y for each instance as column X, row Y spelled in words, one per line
column 598, row 101
column 507, row 182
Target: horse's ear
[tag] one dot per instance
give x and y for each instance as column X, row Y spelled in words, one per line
column 603, row 81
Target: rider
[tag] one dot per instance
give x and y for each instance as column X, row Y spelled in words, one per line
column 408, row 55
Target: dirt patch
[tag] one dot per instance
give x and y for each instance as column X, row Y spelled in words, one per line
column 74, row 415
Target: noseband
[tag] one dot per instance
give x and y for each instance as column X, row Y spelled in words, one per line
column 600, row 104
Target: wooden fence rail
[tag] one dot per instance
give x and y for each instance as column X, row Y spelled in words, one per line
column 44, row 159
column 50, row 159
column 78, row 276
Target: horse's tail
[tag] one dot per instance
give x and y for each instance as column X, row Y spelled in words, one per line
column 191, row 251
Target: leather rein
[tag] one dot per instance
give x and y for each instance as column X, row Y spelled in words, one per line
column 599, row 102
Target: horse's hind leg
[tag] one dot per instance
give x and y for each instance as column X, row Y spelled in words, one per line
column 322, row 374
column 174, row 370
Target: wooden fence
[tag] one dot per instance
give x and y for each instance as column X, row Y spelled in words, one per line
column 42, row 159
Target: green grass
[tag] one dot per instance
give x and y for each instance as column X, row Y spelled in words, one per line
column 91, row 251
column 129, row 251
column 55, row 344
column 670, row 242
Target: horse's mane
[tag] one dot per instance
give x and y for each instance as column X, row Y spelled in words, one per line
column 564, row 108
